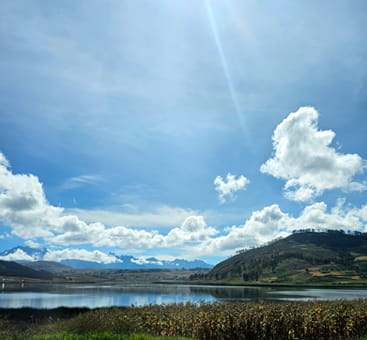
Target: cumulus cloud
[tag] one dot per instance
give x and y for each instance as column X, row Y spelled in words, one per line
column 162, row 215
column 262, row 226
column 123, row 237
column 271, row 222
column 18, row 255
column 193, row 229
column 362, row 213
column 3, row 161
column 146, row 260
column 304, row 158
column 316, row 216
column 32, row 244
column 227, row 188
column 24, row 207
column 80, row 254
column 120, row 236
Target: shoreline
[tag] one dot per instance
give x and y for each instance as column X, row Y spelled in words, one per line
column 264, row 285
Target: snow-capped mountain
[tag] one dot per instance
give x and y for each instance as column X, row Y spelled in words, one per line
column 152, row 262
column 23, row 254
column 82, row 259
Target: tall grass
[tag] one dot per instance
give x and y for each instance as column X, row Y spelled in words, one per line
column 102, row 336
column 216, row 321
column 231, row 321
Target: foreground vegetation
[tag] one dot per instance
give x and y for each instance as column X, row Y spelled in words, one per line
column 290, row 320
column 101, row 336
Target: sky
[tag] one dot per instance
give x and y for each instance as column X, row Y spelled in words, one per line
column 180, row 129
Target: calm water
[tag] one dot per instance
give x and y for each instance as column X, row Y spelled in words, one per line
column 92, row 296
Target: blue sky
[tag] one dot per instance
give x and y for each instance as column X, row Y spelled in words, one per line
column 180, row 128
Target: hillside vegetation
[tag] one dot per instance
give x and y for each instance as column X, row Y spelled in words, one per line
column 41, row 271
column 303, row 257
column 49, row 266
column 13, row 269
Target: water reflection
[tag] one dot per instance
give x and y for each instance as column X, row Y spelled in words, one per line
column 92, row 296
column 320, row 294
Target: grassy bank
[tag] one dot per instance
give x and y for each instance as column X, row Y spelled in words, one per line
column 230, row 321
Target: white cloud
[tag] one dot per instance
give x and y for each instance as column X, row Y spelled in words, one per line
column 3, row 161
column 18, row 255
column 165, row 257
column 226, row 189
column 80, row 254
column 193, row 229
column 126, row 238
column 362, row 213
column 262, row 226
column 32, row 244
column 146, row 260
column 316, row 216
column 304, row 158
column 23, row 206
column 270, row 223
column 78, row 181
column 5, row 235
column 162, row 215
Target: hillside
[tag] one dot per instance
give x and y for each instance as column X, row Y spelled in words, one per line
column 303, row 257
column 49, row 266
column 13, row 269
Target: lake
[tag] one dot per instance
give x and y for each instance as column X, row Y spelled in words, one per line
column 93, row 296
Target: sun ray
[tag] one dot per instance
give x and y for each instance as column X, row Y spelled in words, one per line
column 224, row 63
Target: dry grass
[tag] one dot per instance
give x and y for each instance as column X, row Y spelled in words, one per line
column 214, row 321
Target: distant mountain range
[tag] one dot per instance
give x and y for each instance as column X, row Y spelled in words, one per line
column 28, row 255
